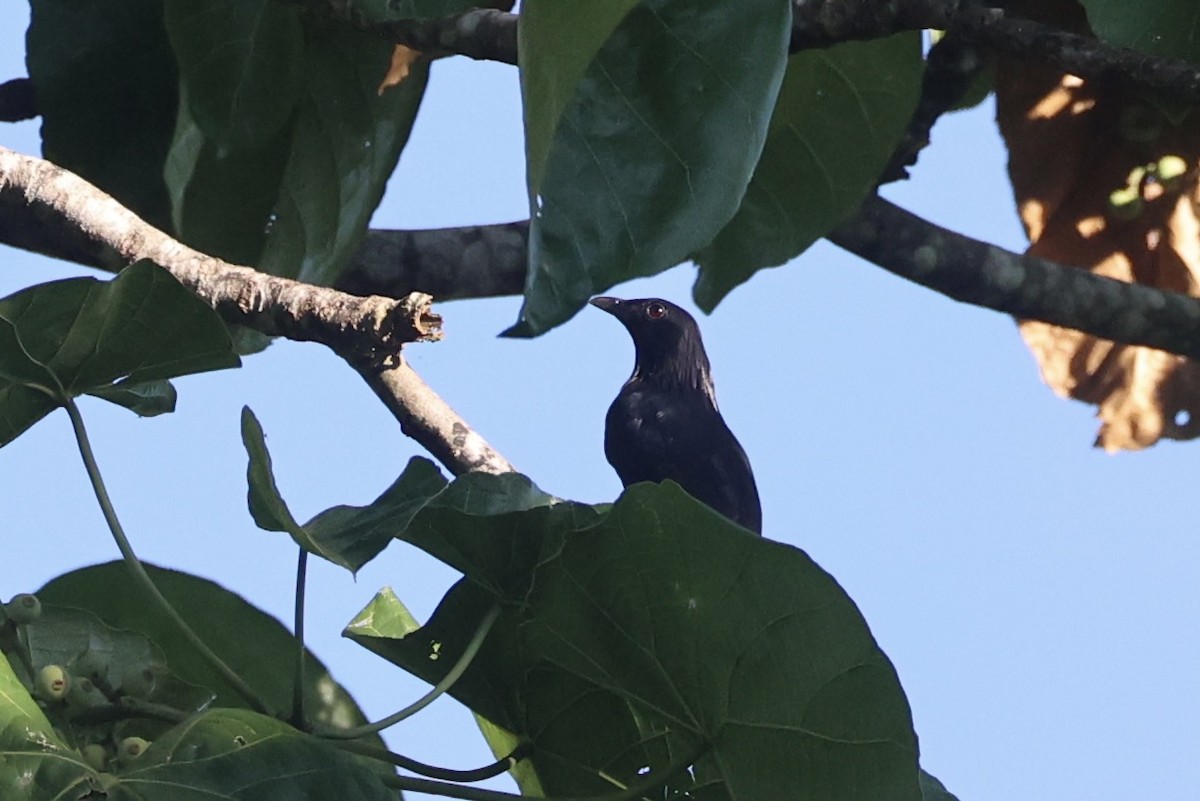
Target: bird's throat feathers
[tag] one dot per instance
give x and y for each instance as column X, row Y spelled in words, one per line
column 684, row 367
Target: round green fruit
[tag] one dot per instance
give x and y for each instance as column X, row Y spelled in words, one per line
column 52, row 683
column 23, row 609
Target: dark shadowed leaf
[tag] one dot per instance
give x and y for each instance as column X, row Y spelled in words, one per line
column 66, row 338
column 839, row 116
column 251, row 642
column 239, row 755
column 635, row 635
column 107, row 88
column 643, row 130
column 147, row 399
column 1160, row 27
column 222, row 198
column 240, row 63
column 345, row 143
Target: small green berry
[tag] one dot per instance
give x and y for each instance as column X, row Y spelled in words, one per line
column 138, row 682
column 132, row 747
column 52, row 683
column 1170, row 171
column 93, row 664
column 95, row 755
column 81, row 692
column 1125, row 203
column 24, row 608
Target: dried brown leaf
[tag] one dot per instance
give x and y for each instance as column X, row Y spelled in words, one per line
column 402, row 60
column 1079, row 159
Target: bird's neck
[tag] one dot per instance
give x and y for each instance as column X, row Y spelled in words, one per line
column 682, row 372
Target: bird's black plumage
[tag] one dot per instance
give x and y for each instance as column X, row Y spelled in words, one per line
column 665, row 424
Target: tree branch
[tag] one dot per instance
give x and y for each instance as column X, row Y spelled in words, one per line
column 17, row 101
column 366, row 331
column 824, row 23
column 975, row 272
column 479, row 261
column 484, row 34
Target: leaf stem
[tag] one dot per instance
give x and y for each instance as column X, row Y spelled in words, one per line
column 138, row 571
column 432, row 771
column 637, row 790
column 428, row 698
column 298, row 688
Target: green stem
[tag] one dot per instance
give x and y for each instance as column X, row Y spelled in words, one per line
column 298, row 714
column 432, row 771
column 141, row 577
column 438, row 690
column 647, row 786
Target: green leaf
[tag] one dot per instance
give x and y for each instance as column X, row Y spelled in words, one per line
column 643, row 131
column 267, row 506
column 838, row 119
column 634, row 634
column 240, row 755
column 933, row 790
column 61, row 635
column 147, row 399
column 240, row 62
column 222, row 198
column 66, row 338
column 107, row 88
column 349, row 536
column 345, row 143
column 386, row 628
column 1169, row 28
column 36, row 765
column 358, row 533
column 251, row 642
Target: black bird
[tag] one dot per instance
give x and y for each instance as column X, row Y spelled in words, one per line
column 664, row 422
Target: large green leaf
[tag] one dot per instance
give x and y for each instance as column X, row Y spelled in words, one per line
column 107, row 88
column 349, row 536
column 240, row 62
column 644, row 122
column 251, row 642
column 635, row 635
column 1160, row 27
column 345, row 143
column 222, row 198
column 67, row 338
column 35, row 764
column 239, row 755
column 281, row 147
column 839, row 116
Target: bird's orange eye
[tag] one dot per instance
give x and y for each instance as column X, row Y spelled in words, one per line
column 656, row 311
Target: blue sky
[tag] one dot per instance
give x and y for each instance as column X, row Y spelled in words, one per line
column 1038, row 597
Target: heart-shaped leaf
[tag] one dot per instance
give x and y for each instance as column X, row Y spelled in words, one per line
column 644, row 122
column 66, row 338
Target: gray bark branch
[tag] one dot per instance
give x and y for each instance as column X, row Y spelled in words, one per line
column 984, row 275
column 366, row 331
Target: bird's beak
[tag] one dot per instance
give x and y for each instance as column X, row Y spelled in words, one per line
column 610, row 305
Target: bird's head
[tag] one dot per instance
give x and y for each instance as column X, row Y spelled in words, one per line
column 667, row 340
